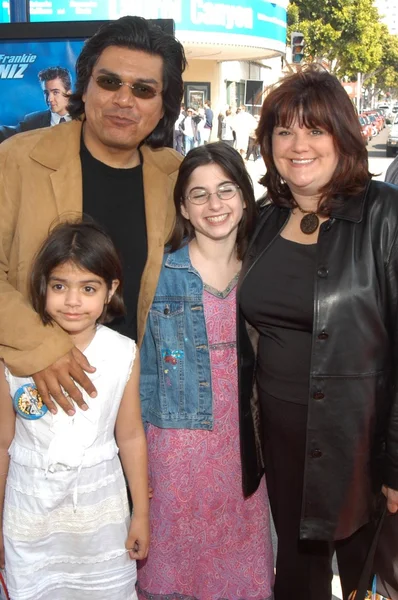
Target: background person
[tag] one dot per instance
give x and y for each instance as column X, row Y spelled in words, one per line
column 189, row 129
column 200, row 123
column 227, row 131
column 254, row 146
column 208, row 126
column 327, row 328
column 208, row 542
column 56, row 83
column 178, row 140
column 65, row 513
column 243, row 124
column 109, row 163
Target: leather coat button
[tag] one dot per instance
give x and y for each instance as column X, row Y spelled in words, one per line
column 322, row 272
column 318, row 395
column 166, row 310
column 323, row 335
column 316, row 453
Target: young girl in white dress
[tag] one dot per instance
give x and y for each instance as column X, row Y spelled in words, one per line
column 65, row 528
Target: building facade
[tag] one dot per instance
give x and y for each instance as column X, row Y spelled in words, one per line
column 233, row 47
column 388, row 10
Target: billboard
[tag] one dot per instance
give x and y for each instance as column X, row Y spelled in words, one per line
column 21, row 92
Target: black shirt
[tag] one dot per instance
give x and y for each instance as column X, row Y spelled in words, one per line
column 114, row 198
column 277, row 298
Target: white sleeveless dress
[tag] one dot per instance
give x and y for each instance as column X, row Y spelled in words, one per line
column 66, row 512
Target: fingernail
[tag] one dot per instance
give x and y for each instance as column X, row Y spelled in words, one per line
column 84, row 407
column 53, row 411
column 93, row 395
column 71, row 412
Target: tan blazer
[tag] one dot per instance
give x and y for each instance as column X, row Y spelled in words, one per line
column 41, row 183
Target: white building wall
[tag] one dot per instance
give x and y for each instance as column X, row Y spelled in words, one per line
column 388, row 10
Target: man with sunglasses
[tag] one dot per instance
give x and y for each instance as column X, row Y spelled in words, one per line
column 109, row 163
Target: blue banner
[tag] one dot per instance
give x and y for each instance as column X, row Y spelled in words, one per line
column 20, row 64
column 255, row 18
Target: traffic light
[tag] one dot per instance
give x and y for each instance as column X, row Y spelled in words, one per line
column 297, row 44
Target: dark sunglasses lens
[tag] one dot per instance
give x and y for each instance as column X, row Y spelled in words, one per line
column 113, row 84
column 143, row 91
column 108, row 83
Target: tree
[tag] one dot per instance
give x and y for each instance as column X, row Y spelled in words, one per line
column 385, row 77
column 345, row 33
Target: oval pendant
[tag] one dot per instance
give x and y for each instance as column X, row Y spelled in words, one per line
column 309, row 223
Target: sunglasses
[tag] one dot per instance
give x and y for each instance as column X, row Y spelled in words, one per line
column 111, row 83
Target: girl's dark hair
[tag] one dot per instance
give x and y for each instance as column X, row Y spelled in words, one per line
column 316, row 99
column 136, row 33
column 232, row 164
column 87, row 246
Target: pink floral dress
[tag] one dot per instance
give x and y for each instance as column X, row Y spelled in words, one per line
column 207, row 541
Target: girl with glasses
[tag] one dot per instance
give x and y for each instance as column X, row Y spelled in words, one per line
column 208, row 541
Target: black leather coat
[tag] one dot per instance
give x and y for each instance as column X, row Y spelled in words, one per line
column 352, row 430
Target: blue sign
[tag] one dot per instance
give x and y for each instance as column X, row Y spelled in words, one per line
column 255, row 18
column 4, row 12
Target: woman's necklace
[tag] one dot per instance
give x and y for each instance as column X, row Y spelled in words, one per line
column 310, row 222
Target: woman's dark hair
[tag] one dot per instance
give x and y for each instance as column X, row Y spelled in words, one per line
column 316, row 99
column 136, row 33
column 87, row 246
column 231, row 162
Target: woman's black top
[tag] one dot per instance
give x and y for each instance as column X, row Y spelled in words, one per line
column 277, row 298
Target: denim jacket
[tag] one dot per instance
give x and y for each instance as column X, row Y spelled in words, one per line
column 176, row 387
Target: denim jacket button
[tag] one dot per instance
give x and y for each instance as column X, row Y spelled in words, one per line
column 167, row 310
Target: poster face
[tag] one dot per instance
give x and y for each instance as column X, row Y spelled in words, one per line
column 21, row 91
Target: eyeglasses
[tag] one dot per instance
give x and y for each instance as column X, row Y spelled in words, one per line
column 110, row 83
column 226, row 191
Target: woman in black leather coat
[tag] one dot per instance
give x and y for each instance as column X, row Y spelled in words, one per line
column 318, row 325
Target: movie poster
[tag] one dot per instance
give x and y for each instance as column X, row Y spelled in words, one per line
column 22, row 92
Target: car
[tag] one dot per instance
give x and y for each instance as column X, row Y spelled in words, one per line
column 366, row 128
column 376, row 119
column 371, row 119
column 392, row 140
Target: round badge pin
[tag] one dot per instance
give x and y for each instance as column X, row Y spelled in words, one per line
column 28, row 403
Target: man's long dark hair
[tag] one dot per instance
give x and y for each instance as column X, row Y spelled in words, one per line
column 136, row 33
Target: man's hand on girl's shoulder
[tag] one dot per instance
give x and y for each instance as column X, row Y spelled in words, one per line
column 58, row 381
